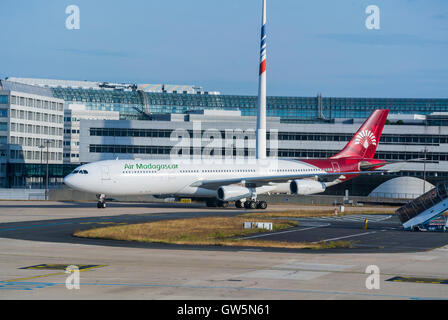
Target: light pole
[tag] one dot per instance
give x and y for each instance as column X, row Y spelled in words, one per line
column 46, row 182
column 40, row 168
column 424, row 170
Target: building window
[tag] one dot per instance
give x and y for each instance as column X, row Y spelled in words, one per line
column 3, row 99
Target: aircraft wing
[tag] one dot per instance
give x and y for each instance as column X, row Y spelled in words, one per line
column 266, row 180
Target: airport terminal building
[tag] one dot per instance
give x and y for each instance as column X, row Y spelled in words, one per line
column 146, row 117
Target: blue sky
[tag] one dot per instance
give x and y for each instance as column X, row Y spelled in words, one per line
column 313, row 45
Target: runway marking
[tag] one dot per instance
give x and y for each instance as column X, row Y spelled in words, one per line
column 24, row 286
column 345, row 237
column 419, row 280
column 34, row 277
column 86, row 268
column 144, row 285
column 82, row 267
column 282, row 232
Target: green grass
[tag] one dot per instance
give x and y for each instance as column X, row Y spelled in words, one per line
column 219, row 231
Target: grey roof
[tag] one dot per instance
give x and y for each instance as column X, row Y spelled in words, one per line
column 20, row 87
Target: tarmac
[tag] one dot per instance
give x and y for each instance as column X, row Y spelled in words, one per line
column 36, row 244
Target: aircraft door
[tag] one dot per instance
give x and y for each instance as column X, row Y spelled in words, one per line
column 105, row 173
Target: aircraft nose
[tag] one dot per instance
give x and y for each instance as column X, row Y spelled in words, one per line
column 68, row 181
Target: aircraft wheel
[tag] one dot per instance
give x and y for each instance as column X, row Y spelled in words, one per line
column 239, row 204
column 252, row 205
column 101, row 205
column 101, row 201
column 262, row 205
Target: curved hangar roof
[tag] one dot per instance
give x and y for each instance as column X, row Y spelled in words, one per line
column 402, row 187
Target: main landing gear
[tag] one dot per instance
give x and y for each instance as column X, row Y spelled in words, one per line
column 247, row 204
column 251, row 204
column 101, row 201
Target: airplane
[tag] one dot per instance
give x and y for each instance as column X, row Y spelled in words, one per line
column 234, row 182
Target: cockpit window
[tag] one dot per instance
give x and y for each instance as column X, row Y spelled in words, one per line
column 80, row 172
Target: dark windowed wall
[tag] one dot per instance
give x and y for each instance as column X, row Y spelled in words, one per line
column 405, row 139
column 282, row 153
column 34, row 175
column 437, row 120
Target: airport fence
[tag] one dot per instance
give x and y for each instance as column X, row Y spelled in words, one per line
column 22, row 194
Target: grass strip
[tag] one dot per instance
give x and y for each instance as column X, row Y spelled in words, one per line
column 218, row 231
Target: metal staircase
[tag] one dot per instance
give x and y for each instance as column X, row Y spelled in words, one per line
column 419, row 213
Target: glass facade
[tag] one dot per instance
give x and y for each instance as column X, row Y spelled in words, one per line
column 129, row 103
column 290, row 109
column 437, row 120
column 21, row 174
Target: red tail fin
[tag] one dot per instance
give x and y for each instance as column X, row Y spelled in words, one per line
column 365, row 141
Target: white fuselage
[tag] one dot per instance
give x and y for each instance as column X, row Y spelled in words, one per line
column 166, row 177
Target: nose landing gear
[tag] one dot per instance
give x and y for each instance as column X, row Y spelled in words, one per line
column 101, row 201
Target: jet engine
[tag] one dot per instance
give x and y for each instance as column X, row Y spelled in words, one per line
column 306, row 187
column 233, row 193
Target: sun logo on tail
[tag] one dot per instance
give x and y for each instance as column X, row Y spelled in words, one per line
column 365, row 138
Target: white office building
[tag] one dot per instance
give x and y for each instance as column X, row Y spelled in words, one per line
column 31, row 128
column 73, row 114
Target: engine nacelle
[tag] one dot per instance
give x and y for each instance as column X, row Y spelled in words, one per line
column 306, row 187
column 282, row 187
column 233, row 193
